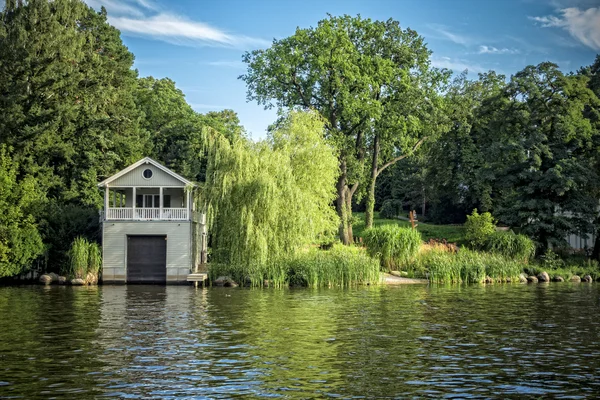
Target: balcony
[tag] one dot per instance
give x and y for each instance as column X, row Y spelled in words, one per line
column 145, row 214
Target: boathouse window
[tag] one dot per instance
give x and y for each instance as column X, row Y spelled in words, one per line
column 147, row 174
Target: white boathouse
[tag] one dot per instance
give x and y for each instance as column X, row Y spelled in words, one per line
column 151, row 232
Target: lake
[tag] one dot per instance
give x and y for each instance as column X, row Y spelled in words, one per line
column 143, row 342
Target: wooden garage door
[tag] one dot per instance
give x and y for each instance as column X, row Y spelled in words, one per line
column 146, row 259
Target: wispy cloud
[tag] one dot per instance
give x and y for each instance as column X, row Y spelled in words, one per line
column 456, row 65
column 445, row 33
column 583, row 25
column 226, row 63
column 495, row 50
column 144, row 18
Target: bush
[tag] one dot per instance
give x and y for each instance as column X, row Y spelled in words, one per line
column 478, row 227
column 393, row 245
column 340, row 266
column 516, row 247
column 390, row 209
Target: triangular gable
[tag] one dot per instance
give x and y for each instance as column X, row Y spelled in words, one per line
column 145, row 160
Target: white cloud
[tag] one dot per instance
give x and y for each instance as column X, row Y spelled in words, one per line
column 494, row 50
column 456, row 65
column 583, row 25
column 131, row 17
column 446, row 34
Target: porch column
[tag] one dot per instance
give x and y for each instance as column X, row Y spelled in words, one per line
column 160, row 195
column 114, row 198
column 106, row 195
column 187, row 203
column 133, row 203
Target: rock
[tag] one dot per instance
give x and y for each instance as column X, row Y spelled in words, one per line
column 77, row 282
column 488, row 280
column 396, row 273
column 46, row 279
column 224, row 281
column 532, row 279
column 266, row 283
column 522, row 278
column 53, row 276
column 62, row 280
column 558, row 278
column 588, row 279
column 543, row 277
column 575, row 278
column 91, row 279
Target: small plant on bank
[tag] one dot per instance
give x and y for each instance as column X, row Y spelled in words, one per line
column 392, row 245
column 478, row 227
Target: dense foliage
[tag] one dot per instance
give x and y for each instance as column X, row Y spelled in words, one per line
column 478, row 227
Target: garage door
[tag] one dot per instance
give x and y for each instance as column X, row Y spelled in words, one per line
column 146, row 259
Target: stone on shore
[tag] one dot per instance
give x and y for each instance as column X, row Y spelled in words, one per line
column 575, row 278
column 46, row 279
column 588, row 279
column 53, row 276
column 224, row 281
column 522, row 278
column 558, row 278
column 62, row 280
column 77, row 282
column 532, row 279
column 543, row 277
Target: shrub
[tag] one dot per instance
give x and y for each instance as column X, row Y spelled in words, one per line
column 390, row 209
column 478, row 227
column 516, row 247
column 393, row 245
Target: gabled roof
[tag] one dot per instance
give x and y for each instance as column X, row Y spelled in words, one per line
column 145, row 160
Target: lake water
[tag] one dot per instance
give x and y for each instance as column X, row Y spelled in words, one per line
column 142, row 342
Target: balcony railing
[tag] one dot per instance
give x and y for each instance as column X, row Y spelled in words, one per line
column 147, row 214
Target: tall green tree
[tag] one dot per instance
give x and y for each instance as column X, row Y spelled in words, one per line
column 347, row 69
column 539, row 149
column 67, row 82
column 20, row 241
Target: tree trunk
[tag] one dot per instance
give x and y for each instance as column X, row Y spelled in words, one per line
column 371, row 190
column 424, row 202
column 340, row 205
column 349, row 194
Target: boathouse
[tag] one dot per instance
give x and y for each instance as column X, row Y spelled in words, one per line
column 151, row 232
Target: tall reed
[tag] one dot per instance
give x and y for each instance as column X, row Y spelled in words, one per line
column 340, row 266
column 78, row 258
column 468, row 266
column 394, row 246
column 517, row 247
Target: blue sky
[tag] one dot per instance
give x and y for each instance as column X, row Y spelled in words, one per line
column 199, row 44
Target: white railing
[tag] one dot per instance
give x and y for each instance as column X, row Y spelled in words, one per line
column 147, row 214
column 119, row 213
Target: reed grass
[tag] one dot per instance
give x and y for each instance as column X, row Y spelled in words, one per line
column 467, row 266
column 392, row 245
column 508, row 244
column 84, row 257
column 341, row 266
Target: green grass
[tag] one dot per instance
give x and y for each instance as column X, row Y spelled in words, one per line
column 393, row 245
column 452, row 233
column 341, row 266
column 517, row 247
column 84, row 257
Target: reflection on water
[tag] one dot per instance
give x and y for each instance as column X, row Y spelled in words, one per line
column 181, row 342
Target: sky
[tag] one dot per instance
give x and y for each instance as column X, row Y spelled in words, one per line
column 199, row 44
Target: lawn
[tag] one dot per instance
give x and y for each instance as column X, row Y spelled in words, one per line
column 452, row 233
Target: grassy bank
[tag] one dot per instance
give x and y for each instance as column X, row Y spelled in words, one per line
column 451, row 233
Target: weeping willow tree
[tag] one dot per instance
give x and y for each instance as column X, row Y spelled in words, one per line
column 272, row 197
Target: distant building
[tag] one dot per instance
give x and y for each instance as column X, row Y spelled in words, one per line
column 151, row 232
